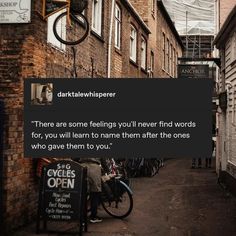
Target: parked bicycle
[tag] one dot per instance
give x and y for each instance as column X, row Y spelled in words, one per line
column 116, row 197
column 141, row 167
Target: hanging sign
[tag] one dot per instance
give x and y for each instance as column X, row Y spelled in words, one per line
column 52, row 6
column 15, row 11
column 193, row 71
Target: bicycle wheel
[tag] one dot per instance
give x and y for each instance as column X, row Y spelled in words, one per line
column 121, row 204
column 75, row 32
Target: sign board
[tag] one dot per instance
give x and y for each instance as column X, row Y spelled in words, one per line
column 62, row 191
column 15, row 11
column 52, row 6
column 193, row 71
column 62, row 195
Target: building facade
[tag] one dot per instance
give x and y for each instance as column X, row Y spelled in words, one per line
column 31, row 50
column 226, row 143
column 165, row 45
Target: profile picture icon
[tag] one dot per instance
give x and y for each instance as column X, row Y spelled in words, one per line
column 41, row 93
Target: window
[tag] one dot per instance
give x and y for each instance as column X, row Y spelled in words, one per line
column 151, row 73
column 97, row 16
column 167, row 55
column 117, row 27
column 175, row 64
column 233, row 48
column 61, row 30
column 143, row 53
column 163, row 51
column 171, row 63
column 133, row 44
column 153, row 5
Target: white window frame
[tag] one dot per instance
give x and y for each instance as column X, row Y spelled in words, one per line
column 117, row 27
column 143, row 53
column 97, row 16
column 62, row 30
column 167, row 55
column 163, row 51
column 152, row 64
column 133, row 43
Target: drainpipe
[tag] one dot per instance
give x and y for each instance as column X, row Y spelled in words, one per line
column 1, row 164
column 110, row 40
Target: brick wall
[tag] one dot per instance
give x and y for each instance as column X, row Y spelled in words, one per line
column 121, row 65
column 225, row 7
column 157, row 24
column 25, row 52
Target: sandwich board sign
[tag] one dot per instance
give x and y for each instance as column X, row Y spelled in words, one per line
column 62, row 194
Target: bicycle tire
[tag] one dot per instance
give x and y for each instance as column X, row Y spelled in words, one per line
column 77, row 22
column 108, row 205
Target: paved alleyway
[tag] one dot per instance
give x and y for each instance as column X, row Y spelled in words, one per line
column 179, row 201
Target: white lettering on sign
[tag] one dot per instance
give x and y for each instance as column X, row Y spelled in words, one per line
column 62, row 177
column 15, row 11
column 60, row 183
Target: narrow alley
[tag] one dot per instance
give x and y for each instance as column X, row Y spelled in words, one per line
column 178, row 201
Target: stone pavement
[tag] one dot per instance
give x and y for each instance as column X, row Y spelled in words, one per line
column 179, row 201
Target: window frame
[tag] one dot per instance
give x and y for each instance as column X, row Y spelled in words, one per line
column 233, row 48
column 133, row 43
column 143, row 53
column 51, row 39
column 96, row 24
column 167, row 55
column 163, row 51
column 118, row 25
column 152, row 64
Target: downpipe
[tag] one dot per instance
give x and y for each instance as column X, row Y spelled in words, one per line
column 1, row 164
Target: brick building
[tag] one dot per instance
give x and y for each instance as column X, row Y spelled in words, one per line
column 226, row 147
column 165, row 45
column 224, row 8
column 31, row 50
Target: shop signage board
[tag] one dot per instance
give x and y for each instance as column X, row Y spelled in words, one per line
column 193, row 71
column 15, row 11
column 52, row 6
column 62, row 192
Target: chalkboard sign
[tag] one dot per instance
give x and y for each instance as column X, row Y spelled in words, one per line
column 62, row 192
column 52, row 6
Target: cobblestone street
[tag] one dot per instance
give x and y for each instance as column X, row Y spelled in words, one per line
column 178, row 201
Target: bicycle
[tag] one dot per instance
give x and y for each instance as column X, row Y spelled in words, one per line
column 76, row 24
column 116, row 197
